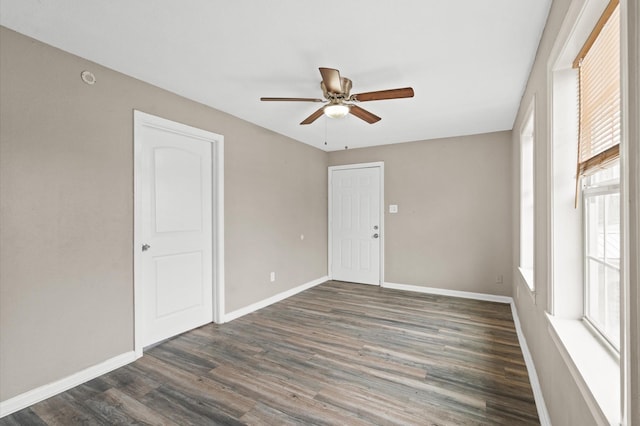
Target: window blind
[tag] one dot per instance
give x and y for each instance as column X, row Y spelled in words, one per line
column 599, row 94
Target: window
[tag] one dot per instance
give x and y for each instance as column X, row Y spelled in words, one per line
column 527, row 198
column 601, row 198
column 585, row 227
column 598, row 151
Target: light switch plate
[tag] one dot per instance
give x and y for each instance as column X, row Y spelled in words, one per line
column 393, row 208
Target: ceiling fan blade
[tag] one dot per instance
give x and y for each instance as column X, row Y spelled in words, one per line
column 363, row 114
column 406, row 92
column 331, row 79
column 293, row 99
column 313, row 117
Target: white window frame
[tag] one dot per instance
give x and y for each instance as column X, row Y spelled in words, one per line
column 589, row 191
column 527, row 198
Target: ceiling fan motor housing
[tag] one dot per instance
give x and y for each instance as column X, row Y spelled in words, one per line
column 344, row 95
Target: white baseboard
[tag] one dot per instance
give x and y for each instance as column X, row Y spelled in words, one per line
column 28, row 398
column 273, row 299
column 452, row 293
column 543, row 414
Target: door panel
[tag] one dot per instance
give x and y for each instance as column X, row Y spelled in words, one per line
column 179, row 283
column 178, row 190
column 355, row 219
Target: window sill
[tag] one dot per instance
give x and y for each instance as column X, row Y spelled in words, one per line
column 527, row 277
column 593, row 367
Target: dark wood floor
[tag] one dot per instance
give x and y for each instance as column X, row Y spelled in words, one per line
column 339, row 354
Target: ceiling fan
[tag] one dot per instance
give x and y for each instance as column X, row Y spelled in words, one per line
column 338, row 100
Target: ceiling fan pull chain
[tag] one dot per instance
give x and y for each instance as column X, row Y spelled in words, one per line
column 325, row 130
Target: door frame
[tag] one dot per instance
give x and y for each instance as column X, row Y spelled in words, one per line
column 140, row 120
column 375, row 164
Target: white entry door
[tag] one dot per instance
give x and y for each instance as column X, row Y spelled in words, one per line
column 174, row 235
column 355, row 223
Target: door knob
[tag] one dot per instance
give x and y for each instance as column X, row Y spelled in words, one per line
column 375, row 235
column 145, row 247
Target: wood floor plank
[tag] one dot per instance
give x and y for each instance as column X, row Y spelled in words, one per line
column 197, row 387
column 69, row 413
column 185, row 409
column 117, row 407
column 369, row 407
column 336, row 354
column 23, row 417
column 263, row 414
column 88, row 389
column 284, row 397
column 183, row 359
column 381, row 409
column 131, row 382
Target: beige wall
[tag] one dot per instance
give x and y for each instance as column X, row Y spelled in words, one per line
column 564, row 402
column 66, row 176
column 453, row 226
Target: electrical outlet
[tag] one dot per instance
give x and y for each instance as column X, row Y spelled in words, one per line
column 273, row 277
column 499, row 279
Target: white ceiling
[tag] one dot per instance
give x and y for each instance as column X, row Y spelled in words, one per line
column 467, row 60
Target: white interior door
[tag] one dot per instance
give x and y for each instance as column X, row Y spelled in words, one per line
column 355, row 224
column 174, row 184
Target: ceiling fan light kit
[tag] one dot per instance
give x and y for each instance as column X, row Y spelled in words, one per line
column 336, row 110
column 336, row 91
